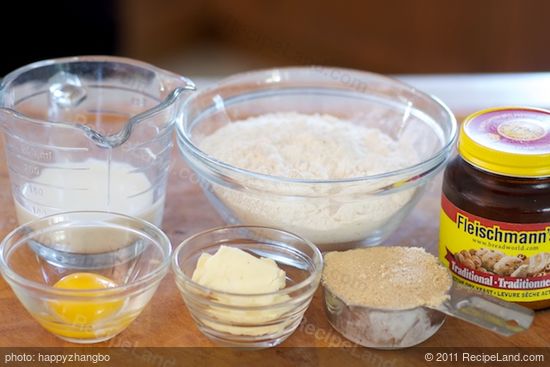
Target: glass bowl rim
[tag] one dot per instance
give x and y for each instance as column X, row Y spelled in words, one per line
column 185, row 142
column 13, row 276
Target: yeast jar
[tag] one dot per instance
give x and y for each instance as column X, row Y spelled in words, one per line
column 495, row 205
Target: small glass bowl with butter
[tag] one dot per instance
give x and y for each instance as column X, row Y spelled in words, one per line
column 85, row 276
column 247, row 286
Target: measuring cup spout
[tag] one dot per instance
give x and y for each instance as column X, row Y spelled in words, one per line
column 104, row 97
column 168, row 107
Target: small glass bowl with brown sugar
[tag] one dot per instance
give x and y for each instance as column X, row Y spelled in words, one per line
column 397, row 297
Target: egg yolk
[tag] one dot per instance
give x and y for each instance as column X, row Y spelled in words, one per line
column 84, row 318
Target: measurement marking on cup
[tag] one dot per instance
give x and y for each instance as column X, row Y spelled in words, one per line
column 31, row 170
column 44, row 164
column 33, row 190
column 38, row 211
column 44, row 152
column 28, row 152
column 27, row 181
column 42, row 206
column 37, row 207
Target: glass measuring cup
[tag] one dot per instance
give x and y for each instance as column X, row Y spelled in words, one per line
column 89, row 133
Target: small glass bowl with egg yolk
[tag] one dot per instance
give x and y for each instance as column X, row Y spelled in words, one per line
column 247, row 286
column 85, row 276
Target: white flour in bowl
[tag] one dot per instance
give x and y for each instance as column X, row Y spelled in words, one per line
column 320, row 147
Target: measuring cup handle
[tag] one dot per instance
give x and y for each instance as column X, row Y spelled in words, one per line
column 486, row 311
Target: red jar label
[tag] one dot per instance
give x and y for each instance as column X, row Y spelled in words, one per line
column 507, row 260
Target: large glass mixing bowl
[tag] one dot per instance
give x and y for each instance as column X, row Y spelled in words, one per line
column 337, row 213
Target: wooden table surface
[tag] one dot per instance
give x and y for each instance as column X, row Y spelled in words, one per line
column 166, row 321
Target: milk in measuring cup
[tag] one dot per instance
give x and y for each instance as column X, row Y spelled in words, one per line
column 89, row 185
column 75, row 130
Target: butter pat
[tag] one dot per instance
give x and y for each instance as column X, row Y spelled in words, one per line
column 235, row 271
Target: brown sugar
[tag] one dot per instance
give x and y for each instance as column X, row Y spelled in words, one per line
column 387, row 277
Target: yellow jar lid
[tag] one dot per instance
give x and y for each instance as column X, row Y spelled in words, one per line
column 511, row 141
